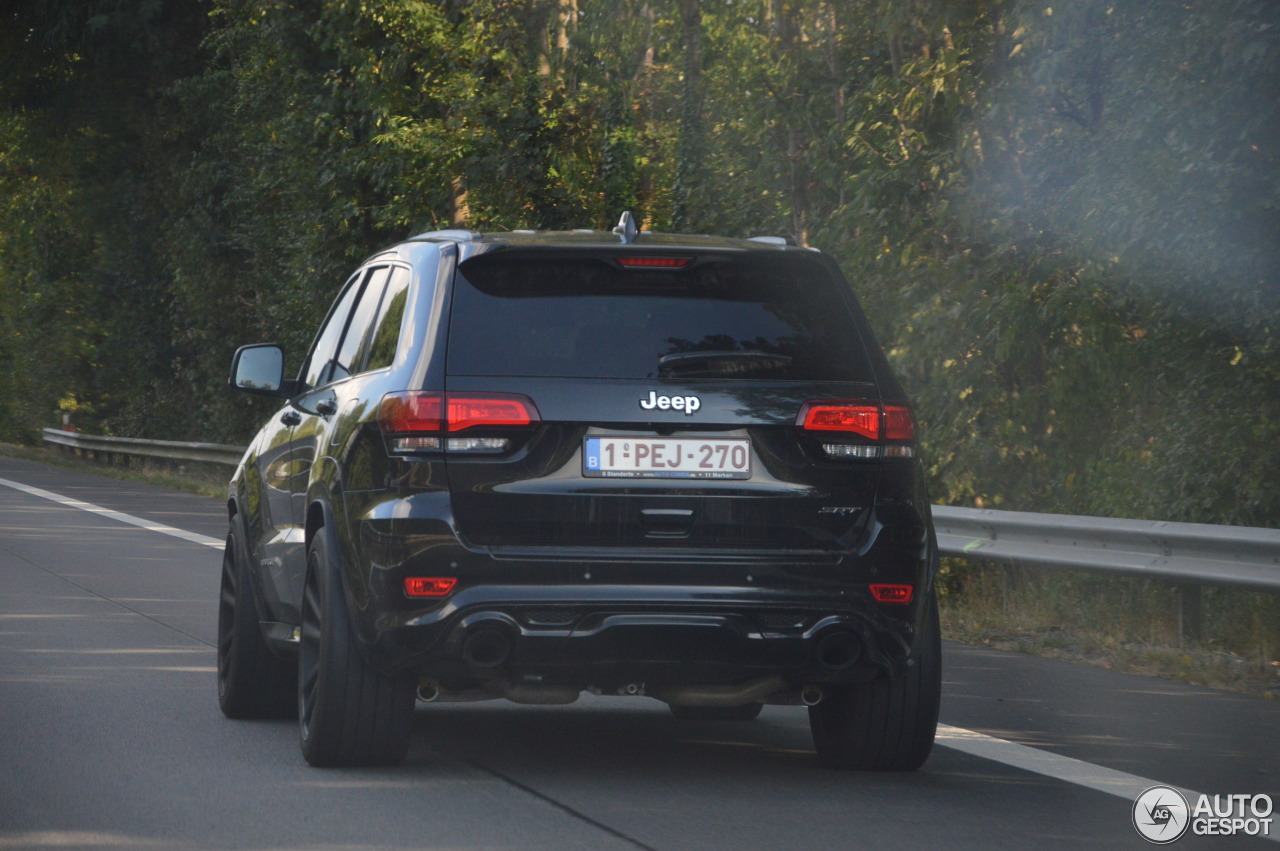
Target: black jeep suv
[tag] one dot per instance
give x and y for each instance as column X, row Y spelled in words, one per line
column 527, row 465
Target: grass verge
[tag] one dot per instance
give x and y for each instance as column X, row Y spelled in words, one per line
column 1120, row 623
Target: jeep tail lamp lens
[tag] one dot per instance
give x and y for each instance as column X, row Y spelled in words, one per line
column 890, row 427
column 429, row 586
column 420, row 421
column 892, row 593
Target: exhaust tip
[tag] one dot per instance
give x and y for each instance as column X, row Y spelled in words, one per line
column 811, row 695
column 486, row 648
column 838, row 651
column 428, row 691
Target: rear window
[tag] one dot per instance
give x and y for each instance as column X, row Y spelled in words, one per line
column 725, row 318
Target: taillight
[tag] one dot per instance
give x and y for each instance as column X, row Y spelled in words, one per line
column 890, row 427
column 892, row 593
column 422, row 421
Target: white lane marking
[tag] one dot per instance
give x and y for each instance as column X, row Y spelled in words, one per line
column 149, row 525
column 1065, row 768
column 1076, row 771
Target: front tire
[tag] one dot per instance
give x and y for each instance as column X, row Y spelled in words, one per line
column 252, row 681
column 349, row 713
column 890, row 723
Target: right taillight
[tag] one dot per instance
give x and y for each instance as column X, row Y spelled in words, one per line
column 873, row 430
column 414, row 421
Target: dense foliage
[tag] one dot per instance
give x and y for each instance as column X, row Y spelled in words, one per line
column 1063, row 220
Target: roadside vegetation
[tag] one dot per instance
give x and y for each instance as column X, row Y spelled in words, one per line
column 1061, row 218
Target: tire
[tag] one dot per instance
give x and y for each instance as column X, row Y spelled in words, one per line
column 889, row 724
column 349, row 713
column 746, row 712
column 252, row 681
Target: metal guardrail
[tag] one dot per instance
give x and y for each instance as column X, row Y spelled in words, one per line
column 1195, row 553
column 171, row 450
column 1191, row 553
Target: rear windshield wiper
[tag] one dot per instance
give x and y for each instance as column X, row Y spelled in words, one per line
column 720, row 363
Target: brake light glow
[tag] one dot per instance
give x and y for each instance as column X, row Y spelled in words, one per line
column 648, row 262
column 892, row 593
column 429, row 586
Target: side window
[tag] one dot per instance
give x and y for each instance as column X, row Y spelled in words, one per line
column 318, row 368
column 386, row 328
column 355, row 341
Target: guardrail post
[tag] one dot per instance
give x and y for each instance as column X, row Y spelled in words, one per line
column 1190, row 613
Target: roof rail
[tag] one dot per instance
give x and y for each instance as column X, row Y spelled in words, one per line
column 452, row 234
column 772, row 240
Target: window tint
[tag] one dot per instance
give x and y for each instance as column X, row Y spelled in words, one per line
column 385, row 338
column 318, row 366
column 740, row 318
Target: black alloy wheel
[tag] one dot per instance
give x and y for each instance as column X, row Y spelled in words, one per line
column 349, row 713
column 252, row 681
column 888, row 724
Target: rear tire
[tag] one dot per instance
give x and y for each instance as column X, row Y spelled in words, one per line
column 349, row 713
column 746, row 712
column 888, row 724
column 252, row 681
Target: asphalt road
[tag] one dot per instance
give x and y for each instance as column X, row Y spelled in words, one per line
column 110, row 735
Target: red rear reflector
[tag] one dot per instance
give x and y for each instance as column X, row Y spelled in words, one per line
column 497, row 411
column 892, row 593
column 654, row 262
column 429, row 586
column 842, row 416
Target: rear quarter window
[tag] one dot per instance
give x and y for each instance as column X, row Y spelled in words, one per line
column 731, row 317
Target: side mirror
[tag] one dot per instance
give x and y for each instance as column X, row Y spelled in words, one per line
column 260, row 369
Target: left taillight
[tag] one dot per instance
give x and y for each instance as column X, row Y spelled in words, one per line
column 874, row 430
column 420, row 421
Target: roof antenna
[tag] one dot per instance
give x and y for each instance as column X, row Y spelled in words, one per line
column 627, row 228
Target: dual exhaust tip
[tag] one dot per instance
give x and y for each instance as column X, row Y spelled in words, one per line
column 489, row 646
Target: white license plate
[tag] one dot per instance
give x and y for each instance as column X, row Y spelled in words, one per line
column 667, row 457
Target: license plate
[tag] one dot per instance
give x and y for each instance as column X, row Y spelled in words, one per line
column 667, row 457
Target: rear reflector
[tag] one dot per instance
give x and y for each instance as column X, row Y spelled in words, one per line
column 654, row 262
column 892, row 593
column 429, row 586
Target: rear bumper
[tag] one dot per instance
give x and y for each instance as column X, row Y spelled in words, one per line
column 658, row 616
column 612, row 637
